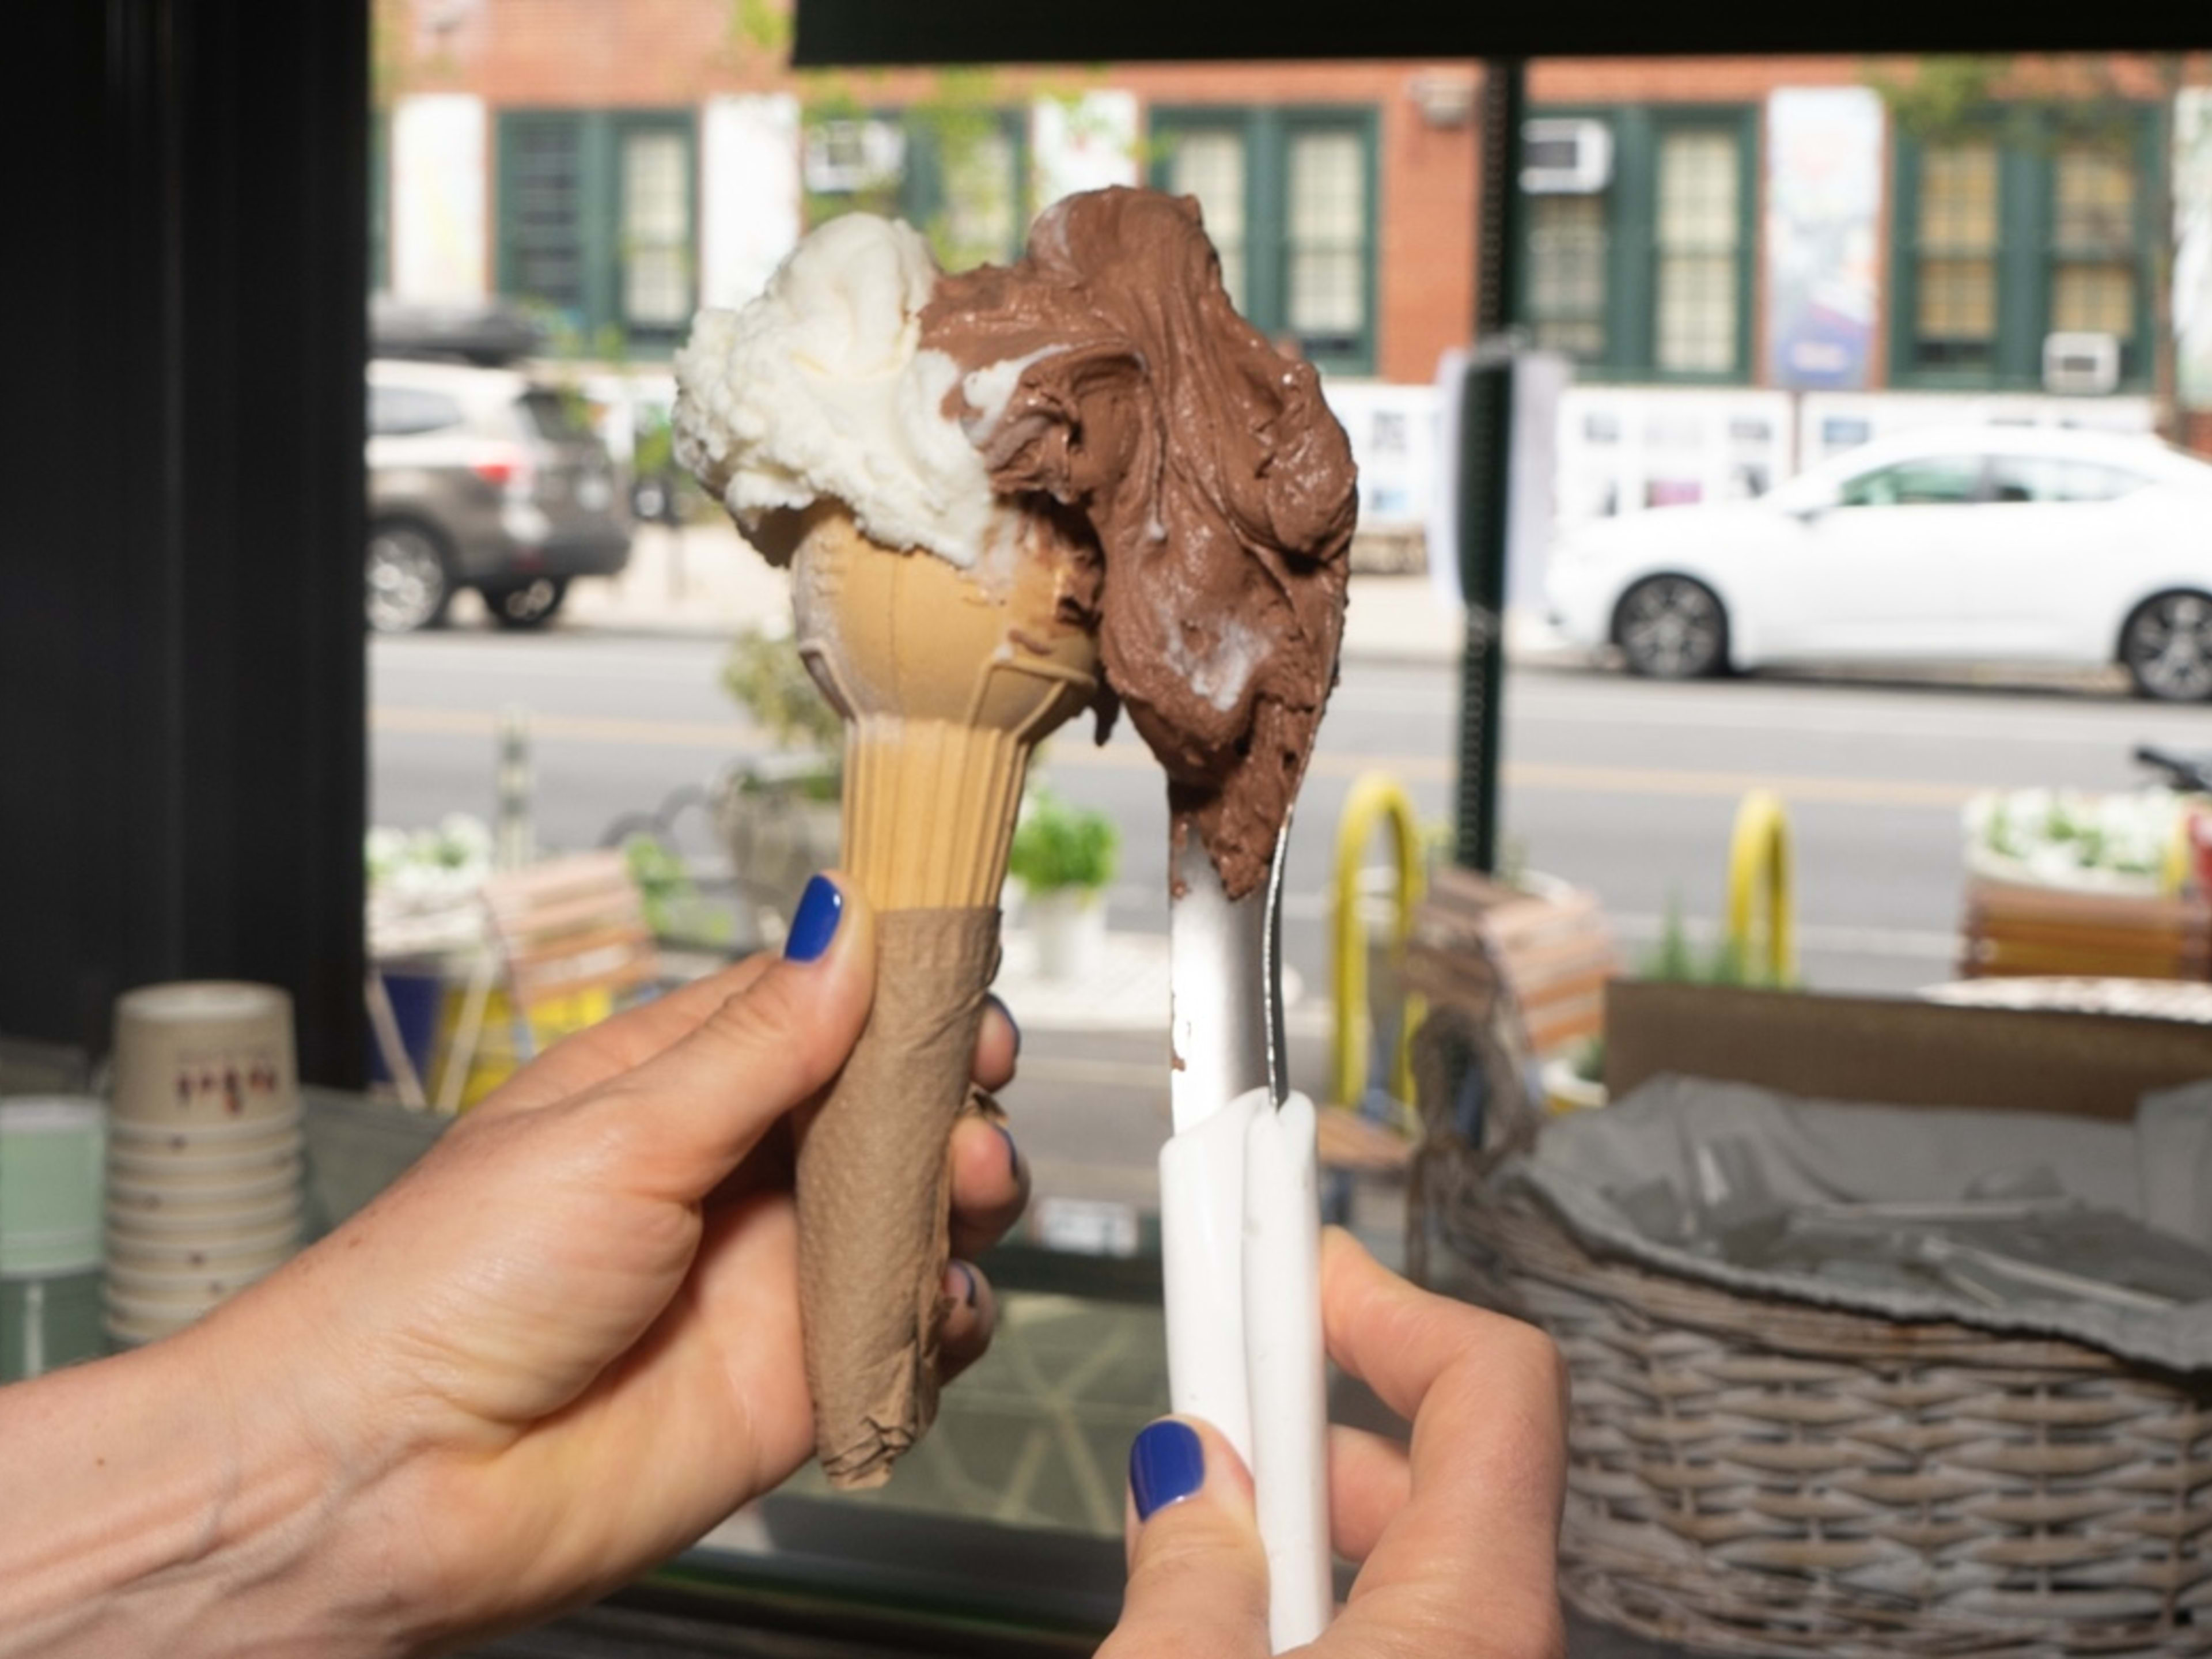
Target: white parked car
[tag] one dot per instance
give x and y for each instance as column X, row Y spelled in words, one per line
column 1993, row 544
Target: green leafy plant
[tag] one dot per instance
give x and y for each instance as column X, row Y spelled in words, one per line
column 1059, row 845
column 1676, row 958
column 673, row 907
column 764, row 674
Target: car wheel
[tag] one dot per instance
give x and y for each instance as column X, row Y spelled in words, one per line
column 2166, row 648
column 1671, row 628
column 527, row 605
column 408, row 586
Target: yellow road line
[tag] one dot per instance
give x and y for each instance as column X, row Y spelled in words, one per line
column 1078, row 752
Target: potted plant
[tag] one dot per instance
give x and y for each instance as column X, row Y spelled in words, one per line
column 778, row 812
column 1063, row 856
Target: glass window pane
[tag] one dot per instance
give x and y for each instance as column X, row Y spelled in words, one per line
column 2097, row 299
column 1698, row 231
column 2096, row 205
column 1941, row 481
column 1328, row 237
column 1955, row 316
column 1210, row 165
column 1567, row 247
column 544, row 255
column 2054, row 479
column 656, row 230
column 982, row 216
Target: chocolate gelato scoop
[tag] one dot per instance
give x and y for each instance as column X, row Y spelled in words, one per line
column 1108, row 370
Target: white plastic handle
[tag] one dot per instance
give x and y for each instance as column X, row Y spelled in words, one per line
column 1240, row 1242
column 1202, row 1268
column 1283, row 1370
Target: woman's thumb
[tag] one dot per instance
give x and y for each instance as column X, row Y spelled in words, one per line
column 1198, row 1575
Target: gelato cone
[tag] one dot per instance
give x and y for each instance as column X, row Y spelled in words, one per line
column 1080, row 480
column 946, row 678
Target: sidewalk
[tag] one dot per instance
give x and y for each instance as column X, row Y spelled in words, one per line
column 704, row 579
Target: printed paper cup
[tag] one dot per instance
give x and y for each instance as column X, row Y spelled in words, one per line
column 205, row 1175
column 212, row 1229
column 221, row 1251
column 205, row 1052
column 186, row 1142
column 204, row 1285
column 216, row 1201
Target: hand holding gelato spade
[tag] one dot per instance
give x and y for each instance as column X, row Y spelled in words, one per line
column 1004, row 496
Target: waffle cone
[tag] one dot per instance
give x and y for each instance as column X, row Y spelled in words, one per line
column 947, row 678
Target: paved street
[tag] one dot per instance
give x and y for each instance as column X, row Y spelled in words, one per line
column 1627, row 786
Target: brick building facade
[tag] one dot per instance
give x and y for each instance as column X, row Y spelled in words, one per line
column 1701, row 230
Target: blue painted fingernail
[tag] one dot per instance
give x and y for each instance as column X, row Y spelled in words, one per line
column 821, row 908
column 1013, row 1153
column 967, row 1282
column 1013, row 1025
column 1166, row 1464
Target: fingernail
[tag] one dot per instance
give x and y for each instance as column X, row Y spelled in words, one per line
column 821, row 908
column 1013, row 1025
column 1013, row 1153
column 960, row 1283
column 1166, row 1464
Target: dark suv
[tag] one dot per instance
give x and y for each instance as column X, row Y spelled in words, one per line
column 486, row 478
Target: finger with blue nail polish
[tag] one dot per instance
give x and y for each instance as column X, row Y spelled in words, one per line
column 972, row 1313
column 1198, row 1575
column 814, row 924
column 990, row 1184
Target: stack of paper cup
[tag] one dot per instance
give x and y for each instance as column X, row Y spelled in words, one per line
column 203, row 1153
column 50, row 1182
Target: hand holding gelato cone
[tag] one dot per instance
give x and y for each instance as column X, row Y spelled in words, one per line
column 1082, row 481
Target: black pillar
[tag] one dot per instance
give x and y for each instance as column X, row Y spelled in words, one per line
column 182, row 722
column 1486, row 434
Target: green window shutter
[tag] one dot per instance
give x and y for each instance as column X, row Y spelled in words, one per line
column 1631, row 300
column 542, row 189
column 2024, row 268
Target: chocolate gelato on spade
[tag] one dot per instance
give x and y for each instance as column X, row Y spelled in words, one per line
column 1108, row 371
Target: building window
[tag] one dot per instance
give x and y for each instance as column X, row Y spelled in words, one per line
column 1700, row 252
column 960, row 177
column 1957, row 321
column 1208, row 162
column 596, row 220
column 1289, row 198
column 1635, row 240
column 2034, row 226
column 1567, row 257
column 2093, row 250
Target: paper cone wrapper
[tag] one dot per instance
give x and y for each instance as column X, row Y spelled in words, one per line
column 947, row 678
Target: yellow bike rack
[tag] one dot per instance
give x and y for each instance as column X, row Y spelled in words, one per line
column 1760, row 866
column 1374, row 798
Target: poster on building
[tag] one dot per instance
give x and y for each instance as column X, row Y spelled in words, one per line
column 1823, row 207
column 2192, row 246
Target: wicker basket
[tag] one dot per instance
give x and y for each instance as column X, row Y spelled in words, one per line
column 1765, row 1476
